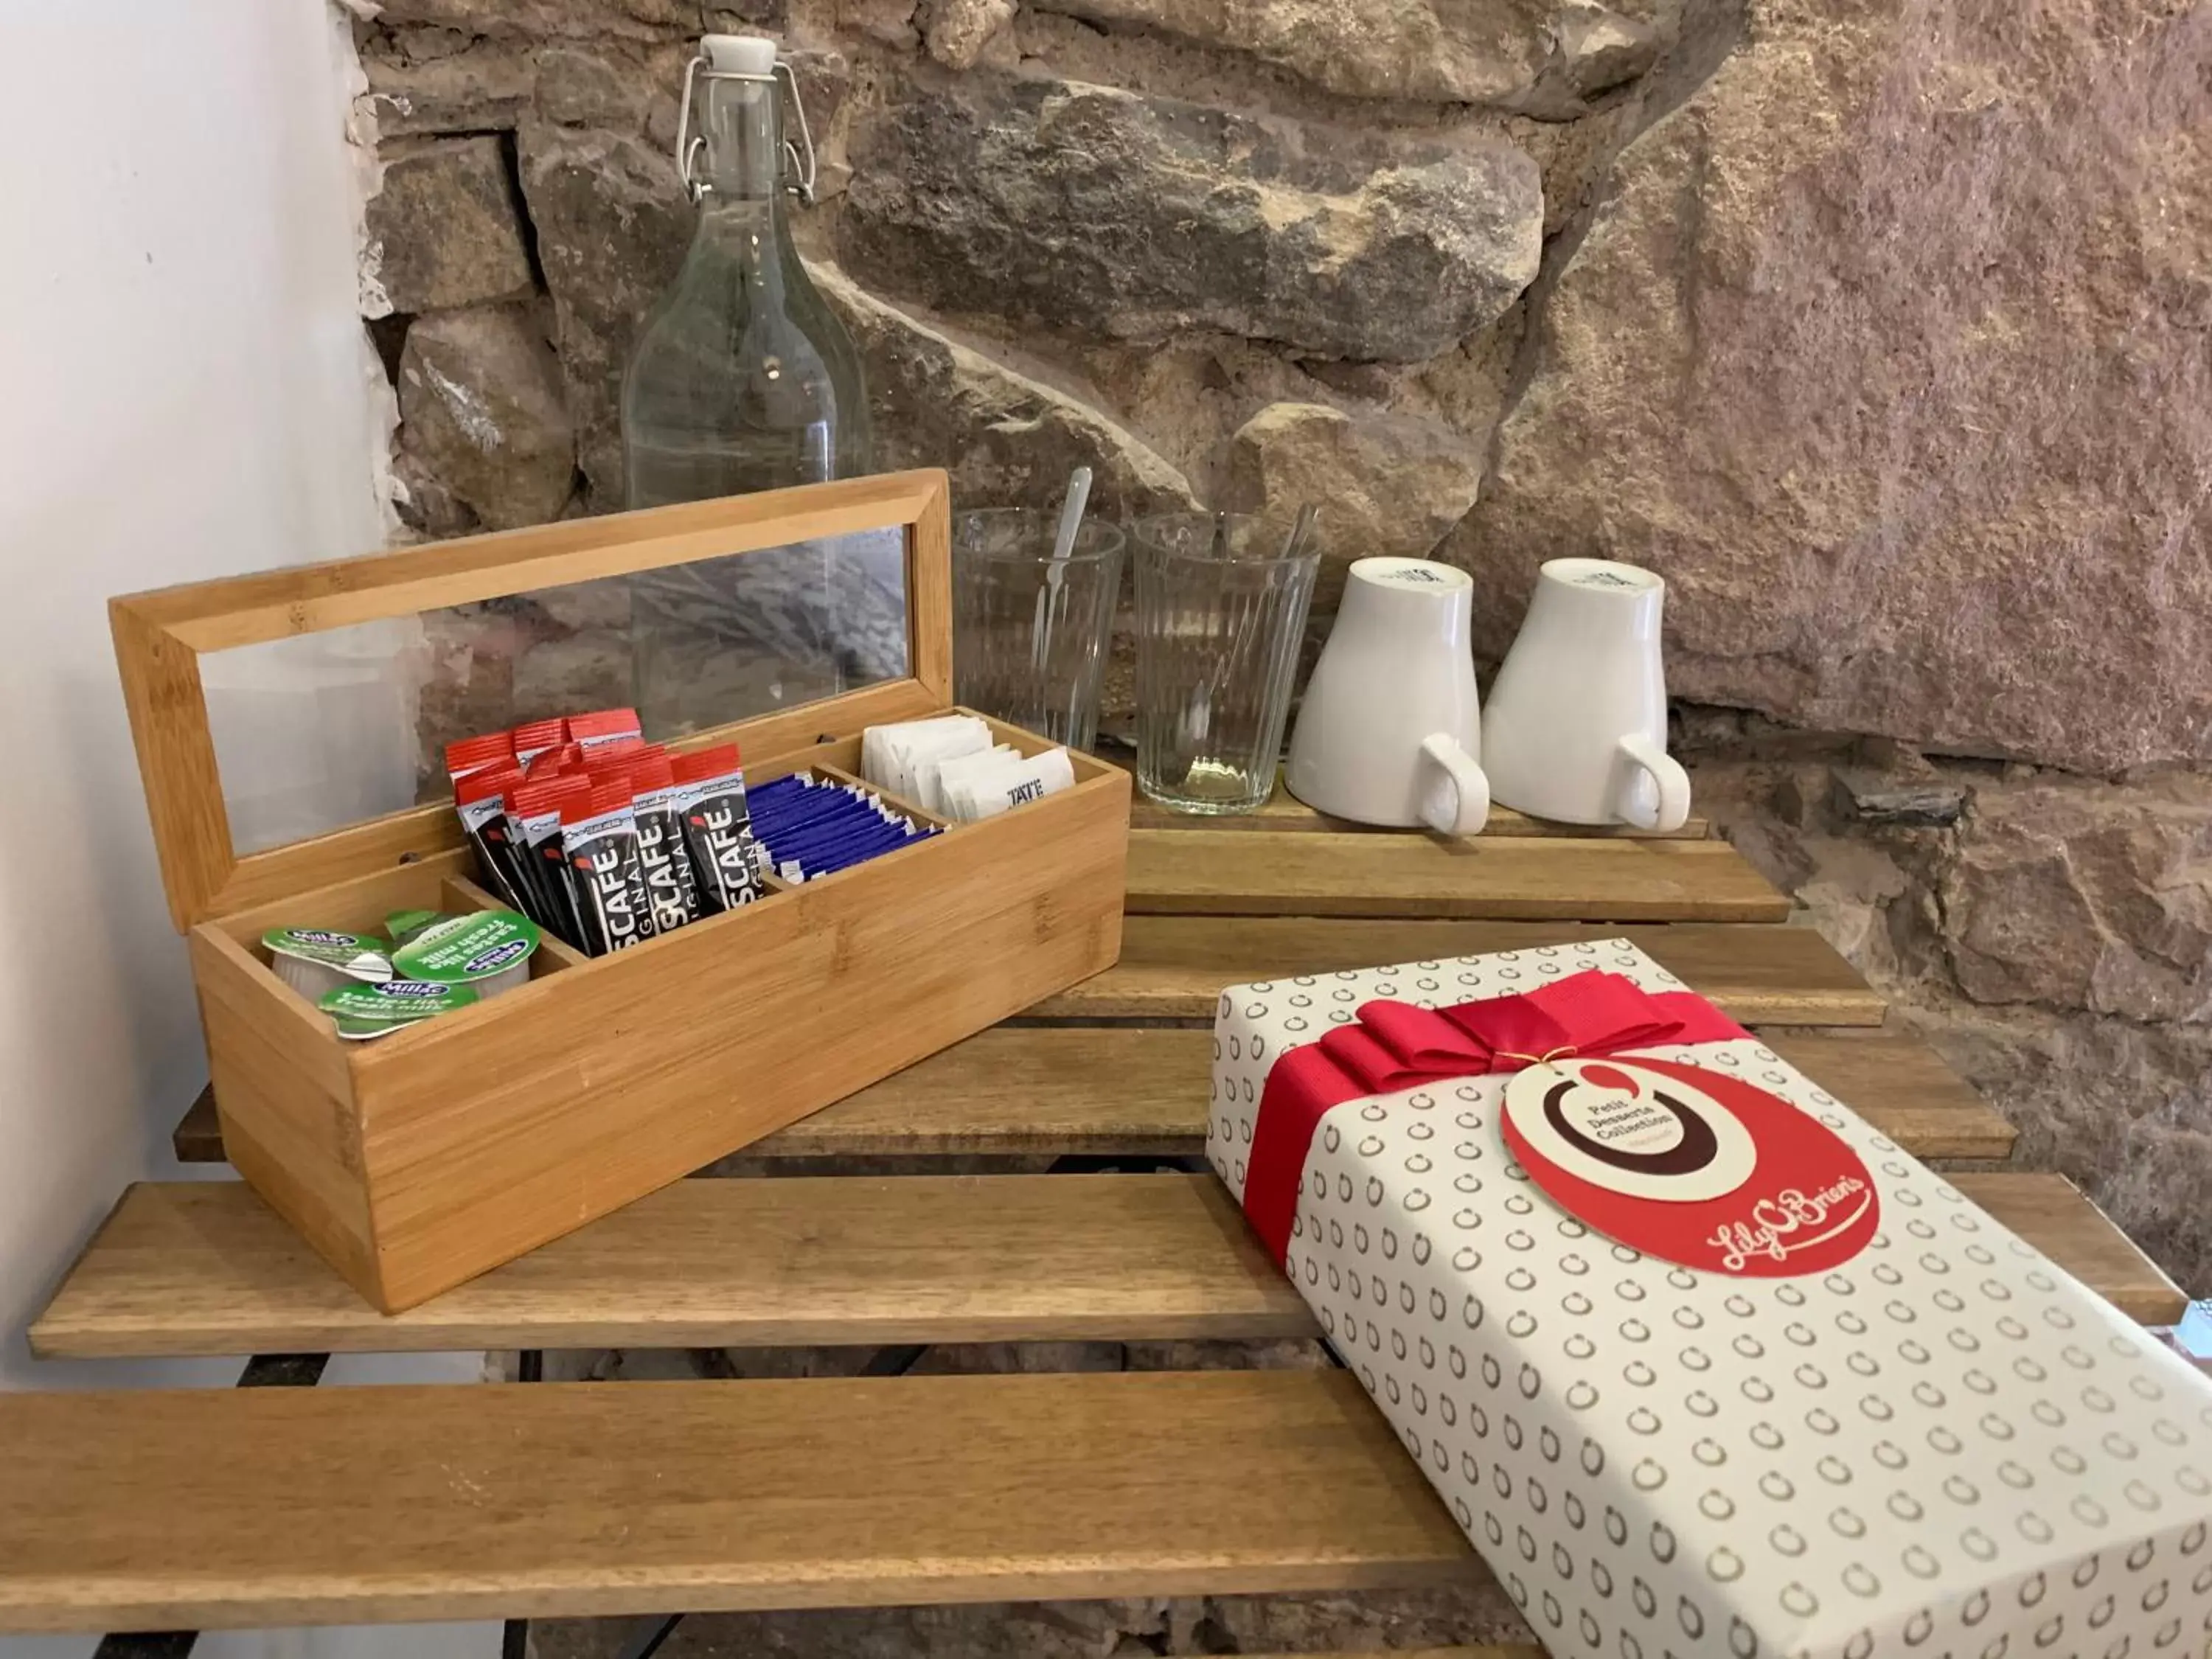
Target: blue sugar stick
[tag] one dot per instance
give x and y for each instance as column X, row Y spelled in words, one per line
column 815, row 846
column 822, row 842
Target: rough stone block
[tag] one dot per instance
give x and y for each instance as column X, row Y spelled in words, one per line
column 1007, row 440
column 445, row 230
column 612, row 227
column 1532, row 55
column 481, row 410
column 1386, row 483
column 578, row 87
column 1875, row 797
column 612, row 224
column 482, row 87
column 629, row 20
column 2076, row 896
column 1887, row 348
column 1090, row 208
column 958, row 30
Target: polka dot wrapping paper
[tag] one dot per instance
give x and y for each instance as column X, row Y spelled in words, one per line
column 1935, row 1442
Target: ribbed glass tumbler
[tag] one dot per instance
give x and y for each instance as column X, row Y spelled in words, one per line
column 1029, row 632
column 1221, row 608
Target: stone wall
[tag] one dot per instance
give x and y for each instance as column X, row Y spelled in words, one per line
column 2051, row 934
column 1883, row 328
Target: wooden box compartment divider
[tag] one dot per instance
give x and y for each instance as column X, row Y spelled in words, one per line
column 421, row 1158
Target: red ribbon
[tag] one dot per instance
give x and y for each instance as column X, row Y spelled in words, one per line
column 1394, row 1045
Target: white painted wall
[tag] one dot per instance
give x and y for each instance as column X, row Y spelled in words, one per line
column 186, row 391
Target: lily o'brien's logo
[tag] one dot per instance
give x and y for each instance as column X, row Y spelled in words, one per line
column 1691, row 1165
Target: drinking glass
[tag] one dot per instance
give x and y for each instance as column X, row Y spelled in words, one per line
column 1221, row 608
column 1030, row 632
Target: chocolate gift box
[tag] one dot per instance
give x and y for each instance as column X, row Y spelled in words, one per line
column 1701, row 1363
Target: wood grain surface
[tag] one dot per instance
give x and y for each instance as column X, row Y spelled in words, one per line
column 314, row 598
column 2048, row 1212
column 1105, row 1089
column 206, row 1268
column 487, row 1132
column 1052, row 1090
column 1284, row 811
column 1256, row 873
column 1901, row 1086
column 1174, row 967
column 351, row 1505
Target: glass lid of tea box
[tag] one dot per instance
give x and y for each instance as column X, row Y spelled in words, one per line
column 293, row 726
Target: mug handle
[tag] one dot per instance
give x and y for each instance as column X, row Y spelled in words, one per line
column 1666, row 772
column 1464, row 807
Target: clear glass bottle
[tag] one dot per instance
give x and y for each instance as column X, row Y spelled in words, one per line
column 743, row 379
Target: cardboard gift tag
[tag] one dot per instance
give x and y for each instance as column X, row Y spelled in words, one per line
column 1691, row 1165
column 1867, row 1419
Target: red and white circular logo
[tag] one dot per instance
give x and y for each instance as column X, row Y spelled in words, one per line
column 1691, row 1165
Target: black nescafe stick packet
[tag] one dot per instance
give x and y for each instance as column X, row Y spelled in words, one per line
column 717, row 828
column 534, row 818
column 670, row 887
column 480, row 798
column 607, row 878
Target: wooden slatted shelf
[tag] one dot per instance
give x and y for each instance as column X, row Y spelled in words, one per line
column 210, row 1509
column 205, row 1268
column 1285, row 811
column 1139, row 1090
column 1174, row 967
column 1257, row 872
column 283, row 1506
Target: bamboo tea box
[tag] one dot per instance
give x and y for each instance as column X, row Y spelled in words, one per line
column 787, row 623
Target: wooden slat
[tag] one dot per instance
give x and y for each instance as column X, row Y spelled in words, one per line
column 1015, row 1090
column 1901, row 1086
column 1284, row 811
column 1254, row 873
column 1174, row 967
column 196, row 1268
column 1127, row 1089
column 205, row 1268
column 1139, row 1091
column 2052, row 1214
column 313, row 599
column 208, row 1508
column 1142, row 1091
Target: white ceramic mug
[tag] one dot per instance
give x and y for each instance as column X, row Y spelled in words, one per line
column 1576, row 728
column 1390, row 731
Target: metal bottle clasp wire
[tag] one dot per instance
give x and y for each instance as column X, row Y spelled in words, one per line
column 688, row 148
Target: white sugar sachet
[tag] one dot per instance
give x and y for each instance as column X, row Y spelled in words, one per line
column 937, row 776
column 885, row 749
column 987, row 794
column 891, row 755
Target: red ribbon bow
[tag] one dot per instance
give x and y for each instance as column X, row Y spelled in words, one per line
column 1394, row 1045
